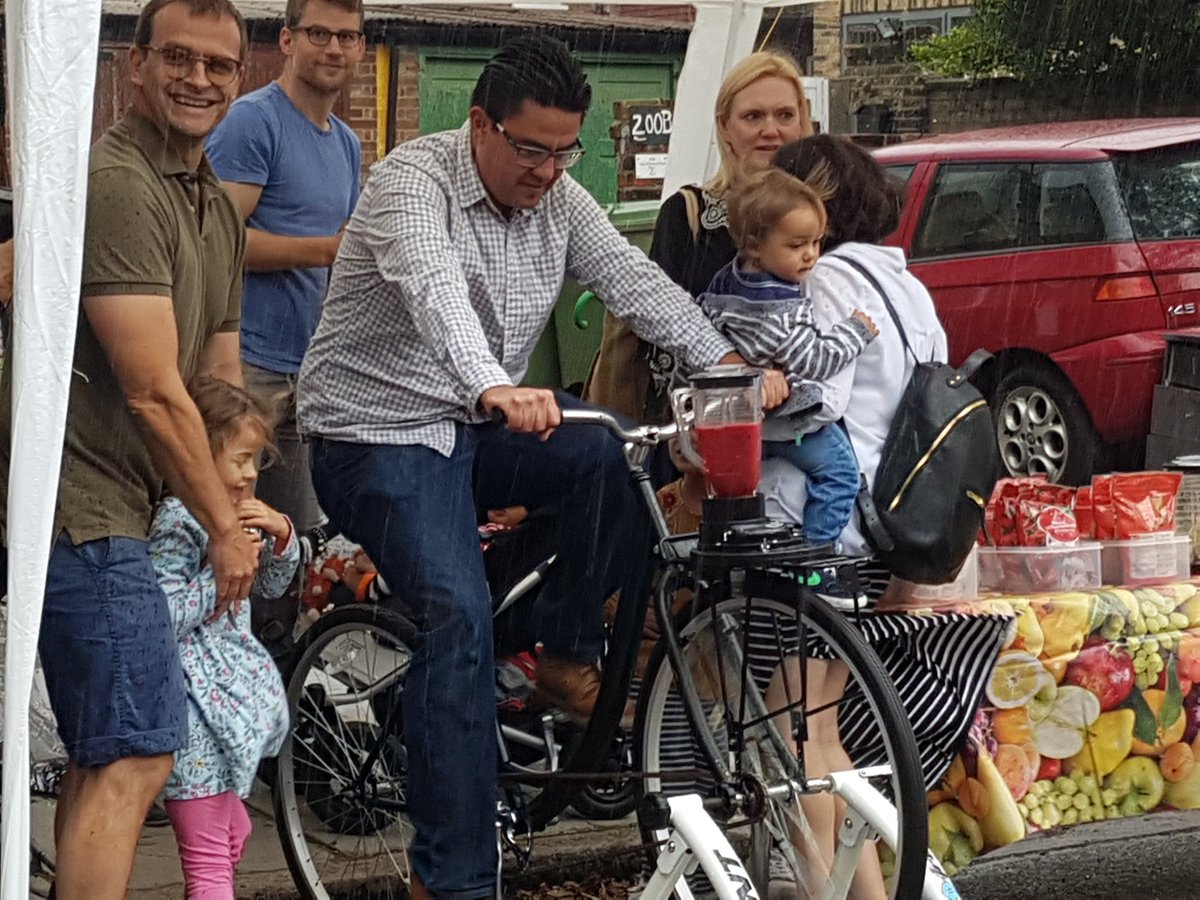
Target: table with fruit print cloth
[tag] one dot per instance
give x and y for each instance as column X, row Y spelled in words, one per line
column 1093, row 712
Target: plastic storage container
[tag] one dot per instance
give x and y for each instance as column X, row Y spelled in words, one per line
column 1040, row 570
column 964, row 587
column 1152, row 559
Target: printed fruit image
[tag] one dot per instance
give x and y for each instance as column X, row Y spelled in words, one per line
column 1017, row 677
column 1191, row 711
column 1108, row 741
column 1039, row 705
column 1056, row 668
column 1060, row 735
column 954, row 837
column 973, row 798
column 1177, row 762
column 1189, row 658
column 1050, row 768
column 1066, row 626
column 1001, row 823
column 1189, row 605
column 1166, row 730
column 1016, row 768
column 1029, row 635
column 1137, row 785
column 1184, row 794
column 1012, row 726
column 1105, row 670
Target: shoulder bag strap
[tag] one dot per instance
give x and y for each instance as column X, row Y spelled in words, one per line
column 691, row 204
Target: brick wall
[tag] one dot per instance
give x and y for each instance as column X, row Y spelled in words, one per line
column 362, row 113
column 827, row 39
column 958, row 105
column 857, row 7
column 901, row 86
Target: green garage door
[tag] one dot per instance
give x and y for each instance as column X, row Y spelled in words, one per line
column 448, row 77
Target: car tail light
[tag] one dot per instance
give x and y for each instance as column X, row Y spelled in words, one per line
column 1127, row 287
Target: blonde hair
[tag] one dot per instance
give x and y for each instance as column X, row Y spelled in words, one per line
column 763, row 64
column 758, row 201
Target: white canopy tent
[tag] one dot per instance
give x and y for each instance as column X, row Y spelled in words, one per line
column 52, row 50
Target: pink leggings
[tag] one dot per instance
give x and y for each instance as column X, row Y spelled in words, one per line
column 212, row 833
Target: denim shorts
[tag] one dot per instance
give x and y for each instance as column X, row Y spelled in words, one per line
column 109, row 653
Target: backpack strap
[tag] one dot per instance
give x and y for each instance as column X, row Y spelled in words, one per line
column 874, row 282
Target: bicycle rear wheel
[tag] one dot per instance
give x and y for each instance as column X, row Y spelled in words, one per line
column 762, row 639
column 340, row 779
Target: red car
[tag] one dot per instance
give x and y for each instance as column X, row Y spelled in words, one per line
column 1066, row 249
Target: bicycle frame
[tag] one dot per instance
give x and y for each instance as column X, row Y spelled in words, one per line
column 694, row 842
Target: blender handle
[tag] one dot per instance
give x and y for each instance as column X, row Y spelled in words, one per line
column 685, row 418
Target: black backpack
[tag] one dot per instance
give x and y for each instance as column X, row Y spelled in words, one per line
column 939, row 465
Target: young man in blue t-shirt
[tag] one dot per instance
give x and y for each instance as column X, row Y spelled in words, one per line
column 293, row 169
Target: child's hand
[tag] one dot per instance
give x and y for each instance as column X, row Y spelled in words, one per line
column 253, row 513
column 866, row 320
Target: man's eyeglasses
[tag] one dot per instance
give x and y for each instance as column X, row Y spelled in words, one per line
column 531, row 156
column 320, row 37
column 220, row 70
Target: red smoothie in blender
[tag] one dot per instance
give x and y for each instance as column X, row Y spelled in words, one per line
column 732, row 455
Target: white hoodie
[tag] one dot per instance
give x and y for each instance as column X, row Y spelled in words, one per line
column 867, row 392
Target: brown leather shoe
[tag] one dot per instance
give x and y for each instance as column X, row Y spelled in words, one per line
column 570, row 686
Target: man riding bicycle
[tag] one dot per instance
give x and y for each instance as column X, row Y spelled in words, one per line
column 448, row 273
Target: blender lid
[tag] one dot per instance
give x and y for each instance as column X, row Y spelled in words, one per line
column 726, row 376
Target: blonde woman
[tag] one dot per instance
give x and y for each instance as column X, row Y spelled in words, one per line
column 760, row 107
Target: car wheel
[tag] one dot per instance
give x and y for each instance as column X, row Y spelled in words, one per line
column 1042, row 426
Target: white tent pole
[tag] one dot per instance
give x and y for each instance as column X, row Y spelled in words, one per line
column 51, row 49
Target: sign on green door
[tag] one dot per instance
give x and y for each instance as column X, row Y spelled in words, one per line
column 448, row 77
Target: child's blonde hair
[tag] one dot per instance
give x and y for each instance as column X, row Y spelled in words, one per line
column 225, row 408
column 758, row 202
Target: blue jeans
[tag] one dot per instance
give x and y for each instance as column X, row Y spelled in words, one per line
column 831, row 469
column 414, row 511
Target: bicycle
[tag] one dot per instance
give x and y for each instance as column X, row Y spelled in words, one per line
column 339, row 790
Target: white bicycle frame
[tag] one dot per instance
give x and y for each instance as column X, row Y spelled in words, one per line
column 694, row 842
column 867, row 811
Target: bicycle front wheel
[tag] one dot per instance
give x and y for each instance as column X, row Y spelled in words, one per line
column 766, row 670
column 339, row 791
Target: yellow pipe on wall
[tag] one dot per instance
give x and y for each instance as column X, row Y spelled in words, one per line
column 383, row 71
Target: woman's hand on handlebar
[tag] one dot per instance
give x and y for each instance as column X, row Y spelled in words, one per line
column 526, row 409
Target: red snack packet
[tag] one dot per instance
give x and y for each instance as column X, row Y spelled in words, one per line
column 1047, row 525
column 1083, row 513
column 1144, row 502
column 1103, row 515
column 1002, row 512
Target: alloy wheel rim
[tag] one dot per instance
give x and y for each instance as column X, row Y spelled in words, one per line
column 1032, row 434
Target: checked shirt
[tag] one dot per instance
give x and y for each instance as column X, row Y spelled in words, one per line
column 436, row 297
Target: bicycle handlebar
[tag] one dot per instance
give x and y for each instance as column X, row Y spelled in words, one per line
column 642, row 435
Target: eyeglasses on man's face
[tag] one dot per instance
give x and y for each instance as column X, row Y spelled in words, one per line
column 531, row 156
column 181, row 62
column 320, row 37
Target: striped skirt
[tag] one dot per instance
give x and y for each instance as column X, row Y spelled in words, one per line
column 940, row 665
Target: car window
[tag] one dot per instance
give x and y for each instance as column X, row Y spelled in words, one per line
column 1162, row 190
column 1077, row 203
column 901, row 175
column 972, row 208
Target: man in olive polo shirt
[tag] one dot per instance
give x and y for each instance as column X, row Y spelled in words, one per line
column 162, row 283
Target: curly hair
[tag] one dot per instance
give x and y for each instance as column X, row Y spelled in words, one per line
column 758, row 202
column 861, row 201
